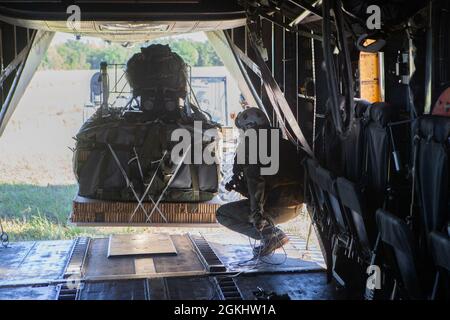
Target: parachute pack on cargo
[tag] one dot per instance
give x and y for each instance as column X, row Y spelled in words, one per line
column 158, row 77
column 121, row 151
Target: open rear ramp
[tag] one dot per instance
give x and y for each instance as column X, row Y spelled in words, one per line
column 213, row 265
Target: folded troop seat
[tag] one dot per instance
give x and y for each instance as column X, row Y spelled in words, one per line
column 326, row 196
column 362, row 197
column 354, row 203
column 352, row 145
column 432, row 188
column 325, row 185
column 432, row 149
column 440, row 250
column 412, row 262
column 400, row 253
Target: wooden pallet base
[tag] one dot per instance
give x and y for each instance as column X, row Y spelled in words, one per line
column 87, row 211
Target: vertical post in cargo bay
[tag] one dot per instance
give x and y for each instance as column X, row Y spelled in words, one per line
column 105, row 86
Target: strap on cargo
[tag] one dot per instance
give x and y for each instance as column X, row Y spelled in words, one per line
column 180, row 163
column 130, row 185
column 195, row 184
column 148, row 189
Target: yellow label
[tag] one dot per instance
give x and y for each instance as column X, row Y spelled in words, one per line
column 369, row 77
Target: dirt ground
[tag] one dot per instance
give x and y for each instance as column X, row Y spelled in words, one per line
column 35, row 145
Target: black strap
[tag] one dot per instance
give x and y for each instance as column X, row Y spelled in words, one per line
column 195, row 184
column 410, row 217
column 277, row 98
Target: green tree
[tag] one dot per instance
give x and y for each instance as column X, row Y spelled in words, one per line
column 52, row 60
column 113, row 54
column 187, row 51
column 75, row 54
column 208, row 56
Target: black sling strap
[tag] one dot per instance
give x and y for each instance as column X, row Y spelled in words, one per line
column 277, row 98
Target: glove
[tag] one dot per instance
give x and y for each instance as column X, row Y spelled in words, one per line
column 237, row 184
column 230, row 186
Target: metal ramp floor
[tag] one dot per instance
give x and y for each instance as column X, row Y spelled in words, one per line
column 210, row 265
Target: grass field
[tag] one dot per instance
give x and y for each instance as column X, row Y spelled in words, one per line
column 36, row 180
column 33, row 212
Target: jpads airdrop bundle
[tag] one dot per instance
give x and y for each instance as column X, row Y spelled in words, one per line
column 123, row 154
column 159, row 78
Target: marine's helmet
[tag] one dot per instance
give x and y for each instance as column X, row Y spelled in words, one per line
column 251, row 118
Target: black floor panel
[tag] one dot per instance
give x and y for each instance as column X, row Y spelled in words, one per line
column 114, row 290
column 299, row 286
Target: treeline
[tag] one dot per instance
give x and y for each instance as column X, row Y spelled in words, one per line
column 78, row 55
